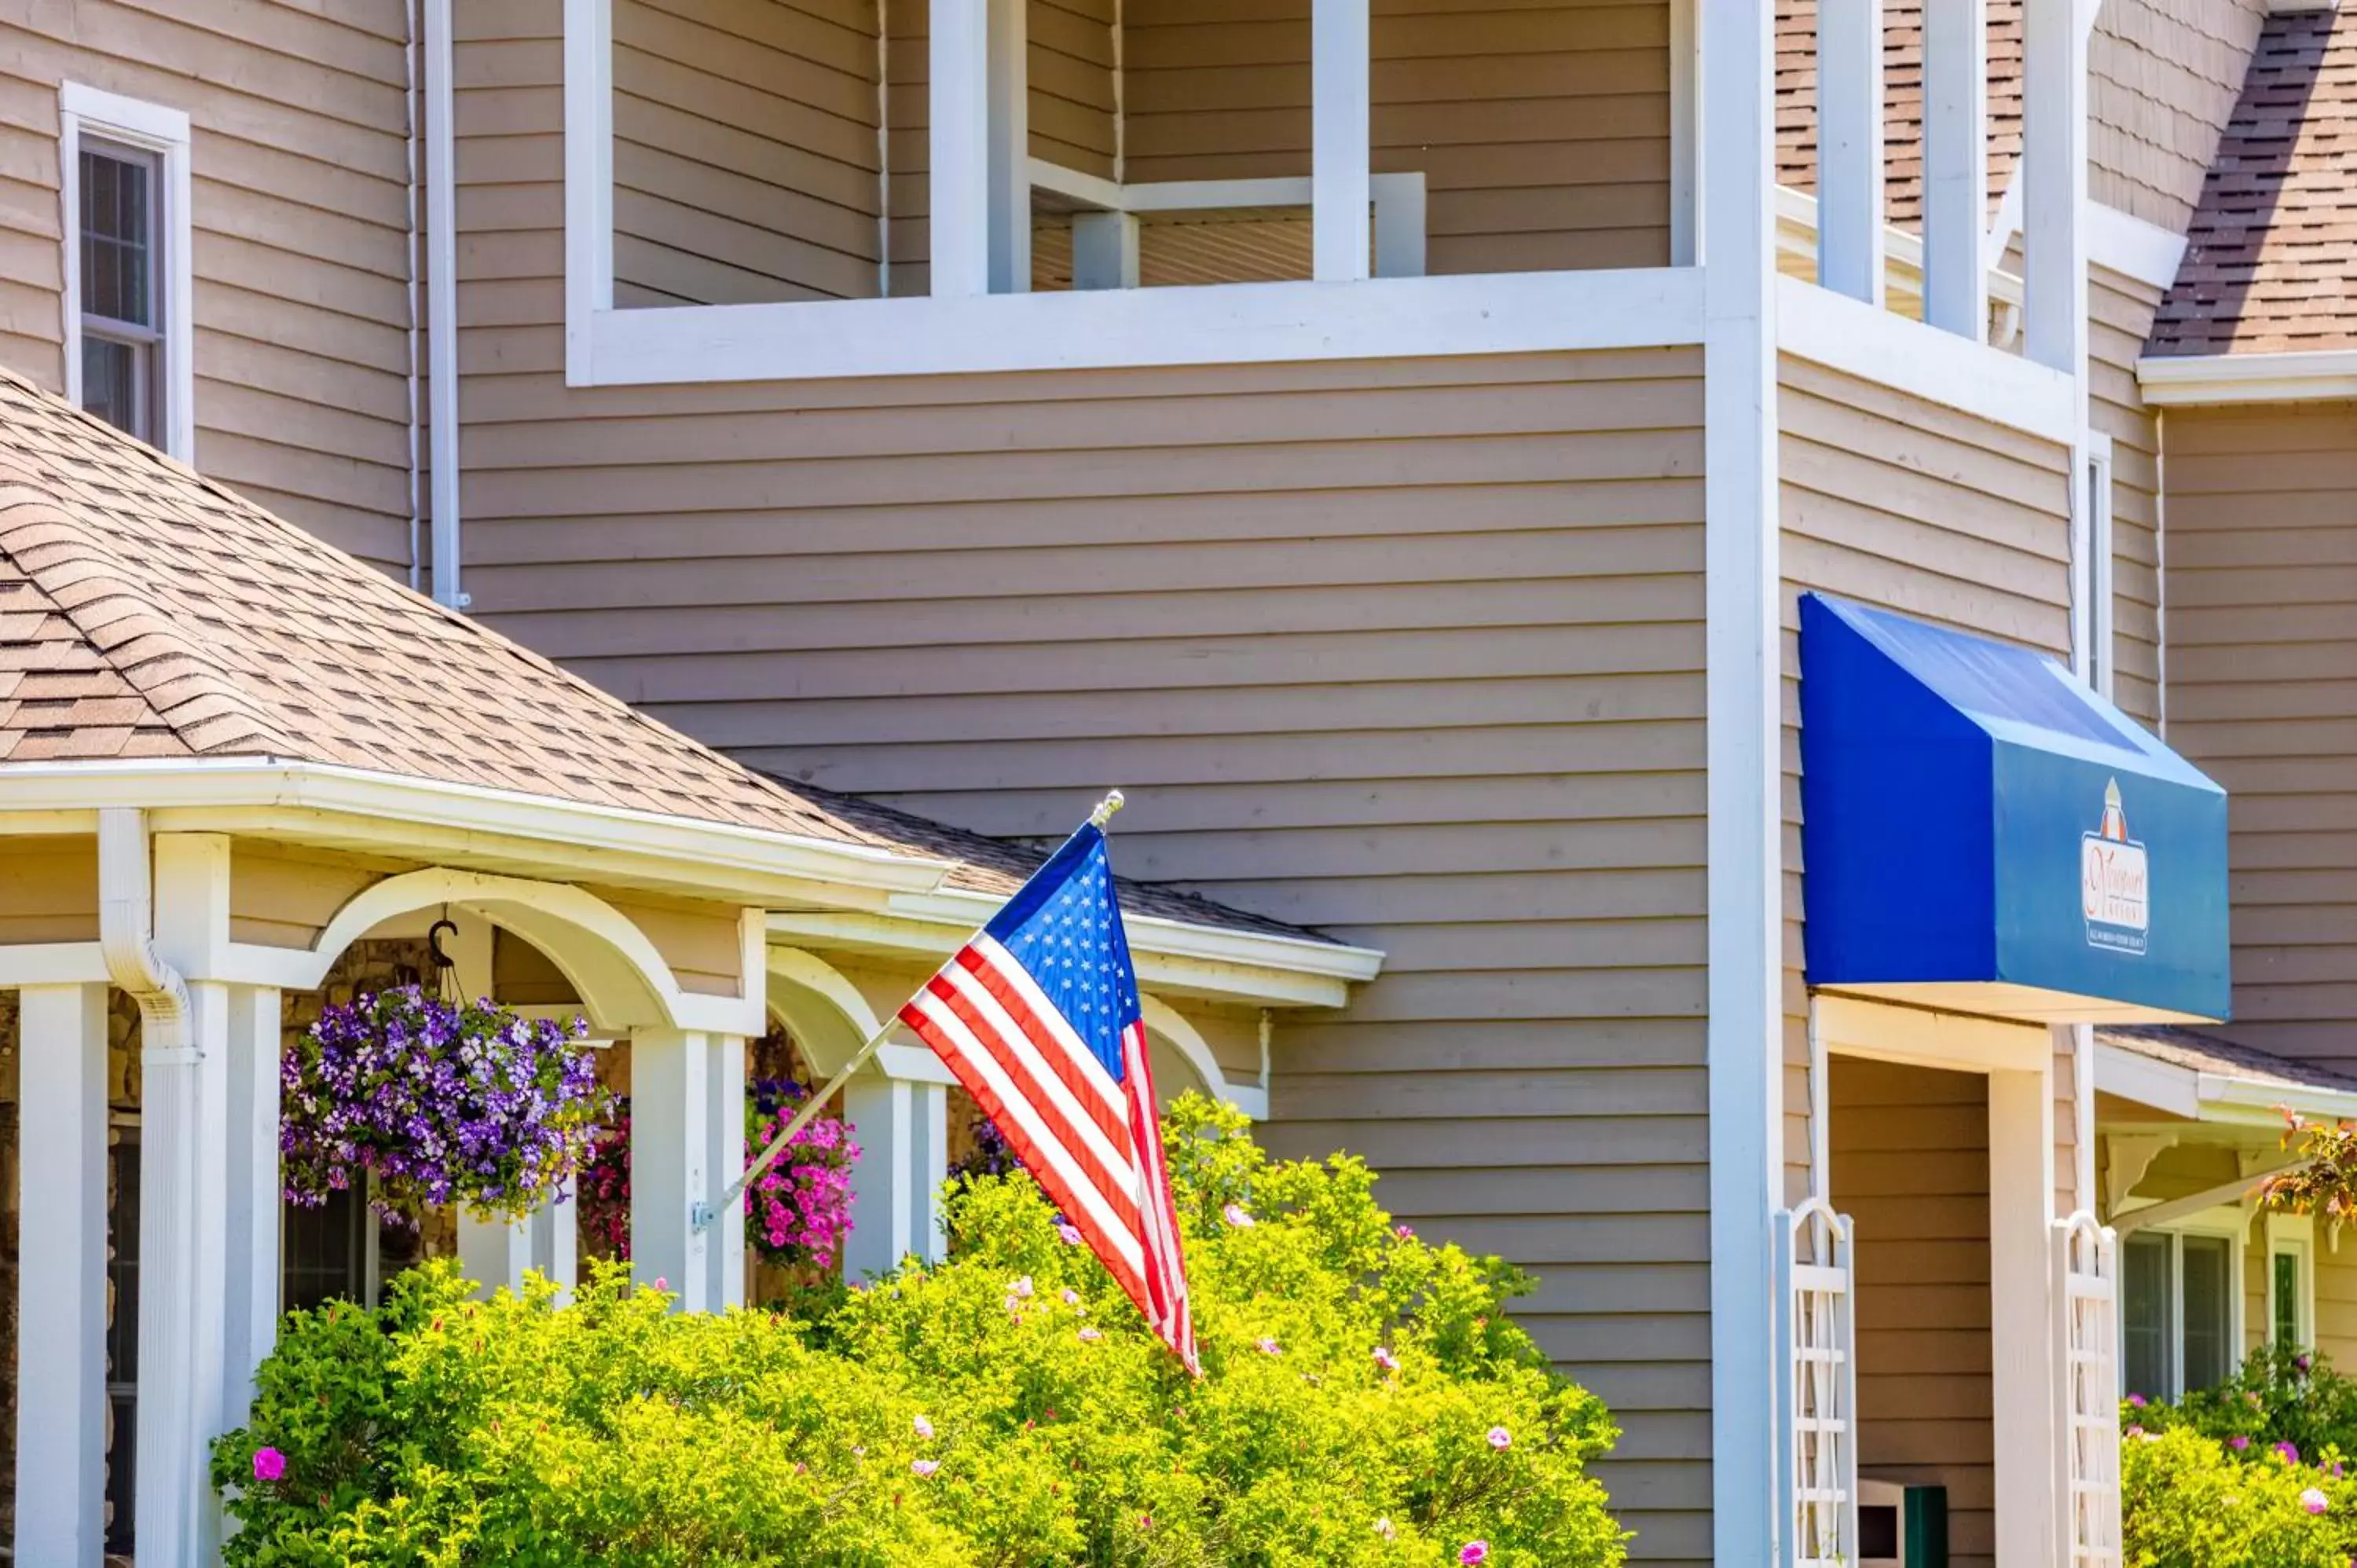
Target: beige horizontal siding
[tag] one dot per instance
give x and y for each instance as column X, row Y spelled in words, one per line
column 1890, row 501
column 2262, row 572
column 2162, row 77
column 1911, row 1166
column 2119, row 314
column 1072, row 103
column 747, row 162
column 1542, row 130
column 1411, row 650
column 299, row 208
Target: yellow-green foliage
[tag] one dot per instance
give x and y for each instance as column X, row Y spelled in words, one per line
column 2188, row 1501
column 1006, row 1408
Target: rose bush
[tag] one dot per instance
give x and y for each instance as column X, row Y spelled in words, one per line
column 1366, row 1401
column 435, row 1102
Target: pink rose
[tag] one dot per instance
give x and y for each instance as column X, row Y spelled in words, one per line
column 269, row 1465
column 1473, row 1551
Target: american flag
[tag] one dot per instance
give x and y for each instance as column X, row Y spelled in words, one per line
column 1039, row 1018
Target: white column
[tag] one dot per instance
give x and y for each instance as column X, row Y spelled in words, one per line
column 250, row 1319
column 61, row 1277
column 928, row 1168
column 494, row 1253
column 556, row 1246
column 1849, row 148
column 1955, row 165
column 2021, row 1325
column 1104, row 250
column 959, row 180
column 724, row 1284
column 1010, row 147
column 2053, row 183
column 1743, row 1041
column 688, row 1138
column 1341, row 221
column 883, row 1113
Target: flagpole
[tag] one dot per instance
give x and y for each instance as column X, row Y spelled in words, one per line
column 706, row 1214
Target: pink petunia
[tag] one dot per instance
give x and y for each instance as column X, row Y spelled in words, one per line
column 1500, row 1438
column 2136, row 1402
column 269, row 1465
column 924, row 1428
column 2238, row 1442
column 1383, row 1527
column 1473, row 1551
column 1237, row 1217
column 1022, row 1287
column 1090, row 1336
column 2287, row 1452
column 1267, row 1347
column 2314, row 1500
column 1407, row 1233
column 1071, row 1296
column 1071, row 1233
column 1385, row 1359
column 924, row 1467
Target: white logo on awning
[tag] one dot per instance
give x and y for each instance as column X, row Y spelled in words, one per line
column 2113, row 881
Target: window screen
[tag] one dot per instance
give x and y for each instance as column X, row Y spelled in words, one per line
column 2148, row 1320
column 2209, row 1311
column 2287, row 1281
column 121, row 314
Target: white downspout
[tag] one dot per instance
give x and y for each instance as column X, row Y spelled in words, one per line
column 409, row 198
column 126, row 929
column 442, row 298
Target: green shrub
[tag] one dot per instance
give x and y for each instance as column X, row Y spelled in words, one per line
column 1006, row 1408
column 2188, row 1501
column 2234, row 1477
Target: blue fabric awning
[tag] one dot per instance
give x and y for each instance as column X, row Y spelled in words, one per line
column 1982, row 833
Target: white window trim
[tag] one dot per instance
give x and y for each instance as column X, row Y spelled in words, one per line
column 2293, row 1234
column 151, row 128
column 2228, row 1224
column 959, row 329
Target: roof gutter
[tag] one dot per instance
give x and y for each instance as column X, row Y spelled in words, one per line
column 2218, row 1097
column 2177, row 380
column 395, row 815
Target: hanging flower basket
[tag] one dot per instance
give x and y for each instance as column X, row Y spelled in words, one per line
column 436, row 1101
column 796, row 1213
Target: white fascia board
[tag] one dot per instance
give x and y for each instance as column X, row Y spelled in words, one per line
column 1846, row 335
column 2127, row 1075
column 1216, row 323
column 2123, row 242
column 2217, row 1098
column 53, row 963
column 1171, row 955
column 2175, row 380
column 254, row 794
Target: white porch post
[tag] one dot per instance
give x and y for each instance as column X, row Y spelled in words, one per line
column 899, row 1114
column 1341, row 226
column 61, row 1278
column 1955, row 167
column 1849, row 149
column 1010, row 147
column 494, row 1253
column 2054, row 182
column 1745, row 936
column 959, row 181
column 687, row 1140
column 251, row 1314
column 2023, row 1377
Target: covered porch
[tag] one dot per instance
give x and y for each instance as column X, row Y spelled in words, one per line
column 242, row 776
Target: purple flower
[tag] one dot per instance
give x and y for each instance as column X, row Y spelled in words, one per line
column 924, row 1428
column 2288, row 1453
column 924, row 1467
column 1267, row 1347
column 2314, row 1502
column 2302, row 1363
column 1021, row 1288
column 1070, row 1232
column 1473, row 1551
column 269, row 1465
column 1499, row 1439
column 1071, row 1296
column 2238, row 1442
column 2137, row 1402
column 1237, row 1217
column 1385, row 1359
column 1406, row 1234
column 1090, row 1336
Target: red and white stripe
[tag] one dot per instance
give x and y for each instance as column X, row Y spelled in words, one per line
column 1078, row 1131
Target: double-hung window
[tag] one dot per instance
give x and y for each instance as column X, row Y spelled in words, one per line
column 2179, row 1309
column 125, row 177
column 2291, row 1281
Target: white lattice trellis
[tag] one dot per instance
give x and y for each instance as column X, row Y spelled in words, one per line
column 1816, row 1386
column 2086, row 1347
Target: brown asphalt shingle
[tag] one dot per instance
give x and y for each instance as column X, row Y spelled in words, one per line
column 2270, row 261
column 147, row 612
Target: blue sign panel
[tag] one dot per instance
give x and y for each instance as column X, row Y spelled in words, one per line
column 1974, row 816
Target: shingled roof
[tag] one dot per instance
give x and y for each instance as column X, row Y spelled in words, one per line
column 147, row 612
column 2270, row 261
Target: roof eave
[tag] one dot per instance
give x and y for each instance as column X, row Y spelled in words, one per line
column 1218, row 962
column 2314, row 375
column 2221, row 1098
column 404, row 817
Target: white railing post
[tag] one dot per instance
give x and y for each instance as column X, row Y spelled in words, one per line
column 1849, row 149
column 1816, row 1386
column 2087, row 1426
column 1955, row 165
column 959, row 182
column 1008, row 96
column 1341, row 237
